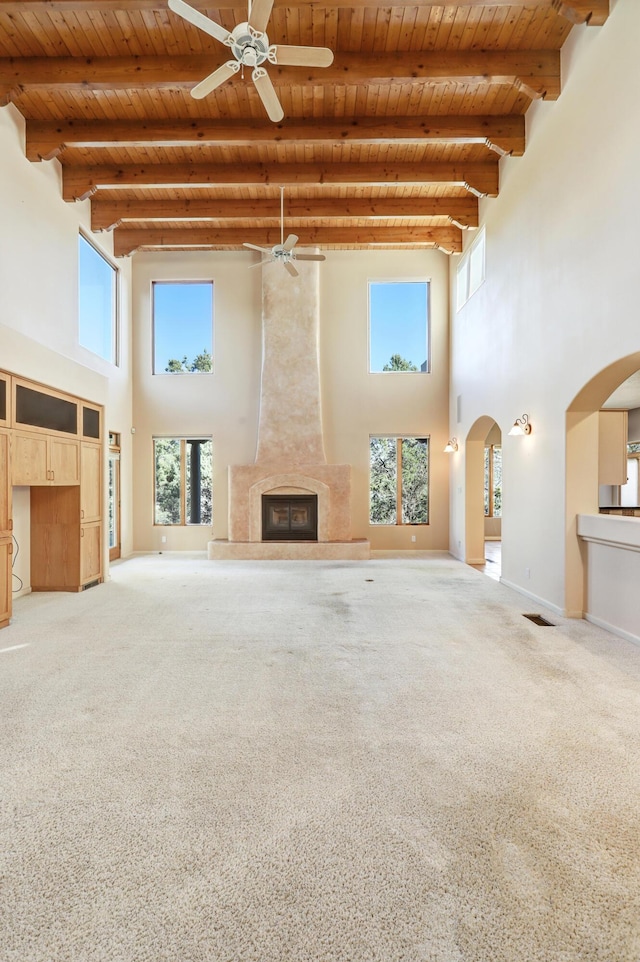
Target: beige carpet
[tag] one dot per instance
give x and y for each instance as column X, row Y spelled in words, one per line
column 315, row 762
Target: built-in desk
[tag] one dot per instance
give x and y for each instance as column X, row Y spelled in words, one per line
column 613, row 572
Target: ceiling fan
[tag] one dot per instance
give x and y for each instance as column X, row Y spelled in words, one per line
column 284, row 253
column 251, row 48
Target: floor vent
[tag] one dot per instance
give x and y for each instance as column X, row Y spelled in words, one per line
column 539, row 620
column 91, row 584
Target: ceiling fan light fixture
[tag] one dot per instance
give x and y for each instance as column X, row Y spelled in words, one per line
column 250, row 46
column 284, row 253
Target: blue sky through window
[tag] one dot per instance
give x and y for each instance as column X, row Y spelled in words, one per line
column 182, row 321
column 398, row 322
column 96, row 301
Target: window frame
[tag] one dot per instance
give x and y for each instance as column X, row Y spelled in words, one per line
column 116, row 298
column 464, row 268
column 183, row 439
column 491, row 512
column 399, row 280
column 182, row 281
column 399, row 438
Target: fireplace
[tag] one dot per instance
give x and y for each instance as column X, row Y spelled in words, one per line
column 289, row 517
column 289, row 503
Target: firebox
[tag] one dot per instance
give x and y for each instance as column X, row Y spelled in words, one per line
column 289, row 517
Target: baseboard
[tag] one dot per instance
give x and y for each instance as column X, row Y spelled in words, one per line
column 620, row 632
column 21, row 593
column 476, row 561
column 540, row 601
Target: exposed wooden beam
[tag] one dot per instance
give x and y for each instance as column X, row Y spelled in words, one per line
column 577, row 11
column 110, row 212
column 448, row 239
column 536, row 72
column 79, row 182
column 504, row 134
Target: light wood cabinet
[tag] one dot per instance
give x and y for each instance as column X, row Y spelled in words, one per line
column 90, row 482
column 6, row 524
column 42, row 459
column 51, row 443
column 5, row 399
column 38, row 408
column 65, row 555
column 612, row 447
column 6, row 558
column 90, row 552
column 6, row 527
column 91, row 422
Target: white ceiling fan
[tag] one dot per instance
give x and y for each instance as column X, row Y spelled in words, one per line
column 251, row 48
column 284, row 253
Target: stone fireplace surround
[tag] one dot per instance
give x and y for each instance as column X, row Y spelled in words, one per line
column 290, row 456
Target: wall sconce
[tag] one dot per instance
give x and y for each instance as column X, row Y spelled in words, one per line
column 521, row 425
column 451, row 446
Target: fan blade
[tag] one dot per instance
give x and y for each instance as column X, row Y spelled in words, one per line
column 290, row 242
column 259, row 264
column 215, row 79
column 288, row 266
column 267, row 94
column 260, row 13
column 254, row 247
column 199, row 20
column 291, row 56
column 310, row 257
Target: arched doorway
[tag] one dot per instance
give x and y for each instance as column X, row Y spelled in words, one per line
column 475, row 515
column 581, row 475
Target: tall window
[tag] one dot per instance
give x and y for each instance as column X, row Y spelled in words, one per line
column 97, row 301
column 471, row 271
column 399, row 480
column 183, row 471
column 493, row 481
column 398, row 326
column 182, row 327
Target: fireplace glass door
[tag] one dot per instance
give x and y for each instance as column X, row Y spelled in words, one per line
column 289, row 517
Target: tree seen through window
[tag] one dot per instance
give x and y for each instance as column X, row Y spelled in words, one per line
column 407, row 459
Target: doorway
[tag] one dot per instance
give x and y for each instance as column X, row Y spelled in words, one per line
column 114, row 496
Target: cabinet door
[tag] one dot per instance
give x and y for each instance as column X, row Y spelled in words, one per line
column 5, row 485
column 41, row 408
column 90, row 482
column 90, row 552
column 29, row 459
column 6, row 549
column 91, row 421
column 5, row 399
column 64, row 461
column 612, row 447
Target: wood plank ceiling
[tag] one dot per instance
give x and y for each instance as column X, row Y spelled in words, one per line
column 390, row 146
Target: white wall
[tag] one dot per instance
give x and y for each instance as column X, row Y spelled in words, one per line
column 355, row 403
column 39, row 302
column 560, row 300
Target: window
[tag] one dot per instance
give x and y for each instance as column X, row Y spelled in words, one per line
column 399, row 480
column 493, row 481
column 182, row 327
column 183, row 473
column 97, row 301
column 398, row 326
column 471, row 271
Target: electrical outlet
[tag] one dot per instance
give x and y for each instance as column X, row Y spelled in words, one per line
column 164, row 539
column 413, row 537
column 527, row 572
